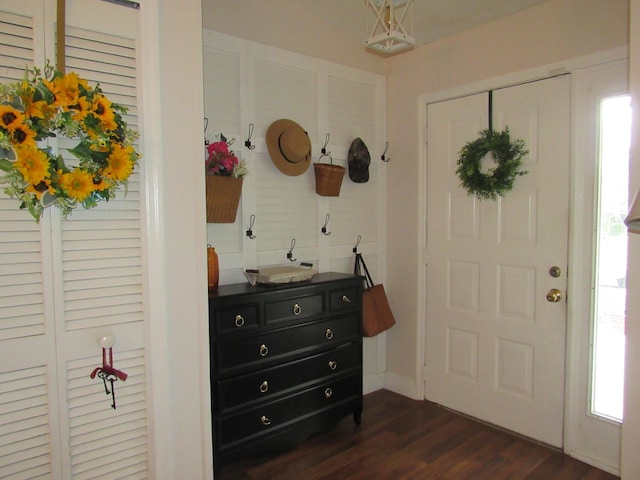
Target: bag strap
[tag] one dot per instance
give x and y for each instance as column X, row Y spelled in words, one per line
column 357, row 270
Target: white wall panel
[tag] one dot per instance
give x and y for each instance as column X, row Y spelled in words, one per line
column 352, row 113
column 323, row 98
column 222, row 93
column 285, row 91
column 355, row 212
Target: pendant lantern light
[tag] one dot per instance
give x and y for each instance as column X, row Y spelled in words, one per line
column 389, row 26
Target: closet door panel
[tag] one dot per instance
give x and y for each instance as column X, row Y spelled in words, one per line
column 65, row 283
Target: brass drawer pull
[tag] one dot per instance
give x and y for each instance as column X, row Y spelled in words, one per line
column 239, row 321
column 266, row 421
column 328, row 392
column 346, row 299
column 333, row 365
column 264, row 386
column 328, row 334
column 264, row 350
column 297, row 309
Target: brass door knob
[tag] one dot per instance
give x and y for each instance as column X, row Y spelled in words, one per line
column 554, row 295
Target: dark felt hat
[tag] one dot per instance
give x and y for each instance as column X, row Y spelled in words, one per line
column 359, row 161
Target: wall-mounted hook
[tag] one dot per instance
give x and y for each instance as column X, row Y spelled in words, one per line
column 290, row 254
column 252, row 220
column 326, row 222
column 324, row 148
column 107, row 373
column 247, row 142
column 206, row 124
column 355, row 249
column 384, row 157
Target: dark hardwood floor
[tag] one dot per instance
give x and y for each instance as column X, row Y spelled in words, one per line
column 401, row 438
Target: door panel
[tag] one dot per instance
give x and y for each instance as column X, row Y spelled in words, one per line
column 495, row 345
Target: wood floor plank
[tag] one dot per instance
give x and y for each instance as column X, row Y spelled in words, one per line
column 400, row 438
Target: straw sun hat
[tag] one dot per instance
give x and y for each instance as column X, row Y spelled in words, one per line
column 289, row 147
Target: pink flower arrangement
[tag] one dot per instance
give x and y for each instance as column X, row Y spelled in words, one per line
column 223, row 162
column 220, row 160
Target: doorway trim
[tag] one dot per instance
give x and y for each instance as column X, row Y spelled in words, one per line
column 599, row 447
column 524, row 76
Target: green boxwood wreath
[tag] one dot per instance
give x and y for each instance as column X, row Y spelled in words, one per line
column 507, row 153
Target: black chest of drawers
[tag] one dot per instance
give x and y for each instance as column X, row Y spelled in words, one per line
column 286, row 362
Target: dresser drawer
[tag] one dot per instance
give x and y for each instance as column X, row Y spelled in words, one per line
column 347, row 298
column 271, row 382
column 271, row 416
column 264, row 348
column 301, row 306
column 235, row 318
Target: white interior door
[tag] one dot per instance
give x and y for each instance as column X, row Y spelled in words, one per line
column 495, row 345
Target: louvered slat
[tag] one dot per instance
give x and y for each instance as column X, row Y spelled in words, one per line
column 97, row 439
column 24, row 424
column 16, row 38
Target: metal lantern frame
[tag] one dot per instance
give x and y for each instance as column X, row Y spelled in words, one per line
column 389, row 25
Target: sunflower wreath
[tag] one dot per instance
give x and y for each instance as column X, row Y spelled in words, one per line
column 49, row 104
column 507, row 154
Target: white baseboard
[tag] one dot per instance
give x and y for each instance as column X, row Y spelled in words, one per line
column 373, row 382
column 595, row 462
column 402, row 386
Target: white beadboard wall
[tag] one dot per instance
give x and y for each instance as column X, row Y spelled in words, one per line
column 249, row 83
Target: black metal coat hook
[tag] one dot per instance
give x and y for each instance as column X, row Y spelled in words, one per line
column 323, row 150
column 206, row 124
column 355, row 249
column 247, row 142
column 384, row 158
column 326, row 222
column 324, row 147
column 252, row 220
column 290, row 254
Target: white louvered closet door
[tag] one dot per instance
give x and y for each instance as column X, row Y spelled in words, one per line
column 66, row 283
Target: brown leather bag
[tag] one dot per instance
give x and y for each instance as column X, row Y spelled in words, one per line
column 376, row 312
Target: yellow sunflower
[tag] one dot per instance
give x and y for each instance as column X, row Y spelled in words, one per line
column 103, row 185
column 40, row 188
column 120, row 165
column 33, row 164
column 66, row 89
column 10, row 117
column 82, row 108
column 32, row 108
column 102, row 109
column 78, row 184
column 22, row 135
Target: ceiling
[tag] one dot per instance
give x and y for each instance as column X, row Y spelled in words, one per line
column 432, row 19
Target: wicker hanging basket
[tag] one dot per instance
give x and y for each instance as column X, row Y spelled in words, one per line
column 328, row 178
column 223, row 197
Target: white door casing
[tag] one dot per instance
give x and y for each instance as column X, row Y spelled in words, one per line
column 587, row 437
column 494, row 344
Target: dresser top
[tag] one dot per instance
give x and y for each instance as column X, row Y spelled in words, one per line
column 246, row 287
